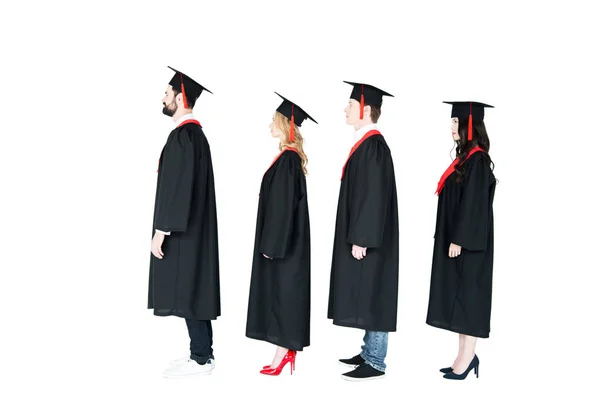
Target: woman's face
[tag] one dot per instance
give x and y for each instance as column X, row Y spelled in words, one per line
column 275, row 131
column 455, row 134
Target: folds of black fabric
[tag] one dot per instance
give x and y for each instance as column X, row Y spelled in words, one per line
column 364, row 293
column 185, row 282
column 279, row 299
column 460, row 296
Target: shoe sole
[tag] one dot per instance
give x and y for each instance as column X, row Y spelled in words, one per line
column 186, row 376
column 349, row 378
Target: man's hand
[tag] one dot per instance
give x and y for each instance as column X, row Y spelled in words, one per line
column 454, row 250
column 359, row 252
column 157, row 242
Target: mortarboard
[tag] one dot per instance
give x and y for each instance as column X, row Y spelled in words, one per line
column 294, row 113
column 468, row 109
column 367, row 95
column 188, row 87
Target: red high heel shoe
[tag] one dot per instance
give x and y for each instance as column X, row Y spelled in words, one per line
column 269, row 366
column 289, row 357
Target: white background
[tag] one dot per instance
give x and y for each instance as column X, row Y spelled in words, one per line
column 82, row 131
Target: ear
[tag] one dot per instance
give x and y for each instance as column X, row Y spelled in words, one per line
column 179, row 99
column 367, row 111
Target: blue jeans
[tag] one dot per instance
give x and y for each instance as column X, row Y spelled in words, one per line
column 375, row 349
column 201, row 340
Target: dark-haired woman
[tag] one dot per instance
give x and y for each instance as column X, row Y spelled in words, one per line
column 460, row 296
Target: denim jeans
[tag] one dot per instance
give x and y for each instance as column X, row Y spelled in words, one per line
column 375, row 349
column 200, row 340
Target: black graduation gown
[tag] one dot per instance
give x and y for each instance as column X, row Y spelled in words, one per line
column 460, row 296
column 279, row 301
column 185, row 283
column 364, row 294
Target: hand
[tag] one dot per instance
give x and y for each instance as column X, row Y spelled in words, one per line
column 454, row 250
column 359, row 252
column 157, row 242
column 266, row 256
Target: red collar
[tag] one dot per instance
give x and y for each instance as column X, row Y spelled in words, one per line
column 190, row 121
column 357, row 145
column 451, row 169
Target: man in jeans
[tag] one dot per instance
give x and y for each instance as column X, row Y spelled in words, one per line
column 363, row 291
column 184, row 266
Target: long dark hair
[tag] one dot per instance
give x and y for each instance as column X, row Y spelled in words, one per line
column 480, row 138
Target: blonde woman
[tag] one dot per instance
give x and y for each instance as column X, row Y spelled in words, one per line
column 279, row 302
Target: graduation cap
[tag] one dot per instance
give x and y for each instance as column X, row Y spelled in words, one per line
column 188, row 87
column 367, row 94
column 294, row 113
column 468, row 109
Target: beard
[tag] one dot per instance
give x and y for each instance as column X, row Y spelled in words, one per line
column 170, row 110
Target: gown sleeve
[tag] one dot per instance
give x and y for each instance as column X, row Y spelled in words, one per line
column 278, row 222
column 471, row 227
column 175, row 187
column 371, row 195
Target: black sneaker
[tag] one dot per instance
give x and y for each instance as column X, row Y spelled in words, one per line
column 352, row 362
column 363, row 372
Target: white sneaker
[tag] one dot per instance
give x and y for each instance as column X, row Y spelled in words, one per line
column 189, row 368
column 179, row 361
column 183, row 360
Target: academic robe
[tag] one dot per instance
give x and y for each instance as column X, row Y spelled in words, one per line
column 364, row 293
column 185, row 282
column 279, row 300
column 460, row 296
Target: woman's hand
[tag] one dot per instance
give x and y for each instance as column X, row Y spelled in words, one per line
column 454, row 250
column 157, row 242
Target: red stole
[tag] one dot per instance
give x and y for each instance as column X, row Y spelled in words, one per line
column 356, row 145
column 451, row 169
column 187, row 121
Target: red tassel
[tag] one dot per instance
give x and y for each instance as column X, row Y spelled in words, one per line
column 471, row 122
column 362, row 102
column 292, row 126
column 185, row 104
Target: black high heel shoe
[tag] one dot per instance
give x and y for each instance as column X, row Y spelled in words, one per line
column 473, row 365
column 446, row 370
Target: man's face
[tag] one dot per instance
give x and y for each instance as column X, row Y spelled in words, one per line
column 352, row 112
column 169, row 103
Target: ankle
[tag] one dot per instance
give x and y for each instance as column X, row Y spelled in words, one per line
column 281, row 352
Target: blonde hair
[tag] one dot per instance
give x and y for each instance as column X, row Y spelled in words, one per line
column 283, row 124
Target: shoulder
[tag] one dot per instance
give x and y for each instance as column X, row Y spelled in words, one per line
column 290, row 159
column 287, row 164
column 189, row 130
column 478, row 159
column 375, row 146
column 291, row 155
column 191, row 133
column 479, row 164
